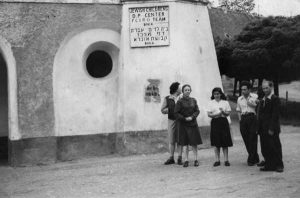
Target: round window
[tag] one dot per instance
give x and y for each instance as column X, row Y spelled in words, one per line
column 99, row 64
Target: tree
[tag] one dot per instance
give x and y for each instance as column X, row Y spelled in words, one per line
column 267, row 48
column 244, row 6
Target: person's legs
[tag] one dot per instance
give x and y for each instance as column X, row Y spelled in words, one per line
column 171, row 124
column 225, row 152
column 252, row 141
column 245, row 134
column 267, row 144
column 172, row 149
column 179, row 150
column 186, row 157
column 275, row 152
column 217, row 156
column 262, row 144
column 195, row 151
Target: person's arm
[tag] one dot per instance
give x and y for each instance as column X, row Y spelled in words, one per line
column 164, row 109
column 252, row 101
column 227, row 109
column 177, row 113
column 196, row 112
column 238, row 110
column 273, row 128
column 214, row 115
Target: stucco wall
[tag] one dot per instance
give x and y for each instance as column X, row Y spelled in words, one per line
column 190, row 58
column 35, row 32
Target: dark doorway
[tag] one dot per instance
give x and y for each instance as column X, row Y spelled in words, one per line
column 3, row 112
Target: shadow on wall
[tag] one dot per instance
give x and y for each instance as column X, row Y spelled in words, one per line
column 3, row 111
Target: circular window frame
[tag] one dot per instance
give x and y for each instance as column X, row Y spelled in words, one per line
column 99, row 64
column 107, row 47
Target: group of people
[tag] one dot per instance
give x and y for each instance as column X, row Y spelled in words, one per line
column 257, row 115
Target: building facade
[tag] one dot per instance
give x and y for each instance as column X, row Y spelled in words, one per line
column 87, row 78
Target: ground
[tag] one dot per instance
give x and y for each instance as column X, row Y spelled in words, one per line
column 146, row 176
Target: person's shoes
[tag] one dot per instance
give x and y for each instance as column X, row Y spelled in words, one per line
column 186, row 164
column 179, row 160
column 170, row 161
column 227, row 163
column 266, row 169
column 196, row 163
column 250, row 164
column 279, row 170
column 261, row 164
column 218, row 163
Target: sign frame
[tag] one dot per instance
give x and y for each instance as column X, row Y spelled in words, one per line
column 165, row 25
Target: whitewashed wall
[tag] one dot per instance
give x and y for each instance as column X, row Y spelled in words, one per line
column 116, row 103
column 83, row 104
column 190, row 58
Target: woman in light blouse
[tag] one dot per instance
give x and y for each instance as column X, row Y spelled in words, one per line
column 220, row 136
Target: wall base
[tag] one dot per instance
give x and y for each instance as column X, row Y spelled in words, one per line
column 48, row 150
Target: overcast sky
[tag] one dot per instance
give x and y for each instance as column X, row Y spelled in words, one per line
column 276, row 7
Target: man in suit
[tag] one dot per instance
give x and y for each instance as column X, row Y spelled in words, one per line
column 269, row 129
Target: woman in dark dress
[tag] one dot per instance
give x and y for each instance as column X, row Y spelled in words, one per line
column 186, row 112
column 220, row 136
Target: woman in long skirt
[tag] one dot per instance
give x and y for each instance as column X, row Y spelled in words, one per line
column 186, row 112
column 220, row 136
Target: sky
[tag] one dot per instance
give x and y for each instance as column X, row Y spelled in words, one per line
column 276, row 7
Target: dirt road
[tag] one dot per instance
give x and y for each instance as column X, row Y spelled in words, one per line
column 145, row 176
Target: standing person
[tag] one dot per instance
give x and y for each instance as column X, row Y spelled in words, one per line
column 219, row 110
column 246, row 108
column 168, row 107
column 186, row 112
column 260, row 95
column 269, row 129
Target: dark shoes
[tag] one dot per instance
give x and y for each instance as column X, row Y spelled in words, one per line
column 218, row 163
column 185, row 164
column 279, row 170
column 261, row 164
column 266, row 169
column 196, row 163
column 170, row 161
column 227, row 163
column 179, row 160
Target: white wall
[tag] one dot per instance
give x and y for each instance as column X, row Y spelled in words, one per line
column 83, row 104
column 190, row 58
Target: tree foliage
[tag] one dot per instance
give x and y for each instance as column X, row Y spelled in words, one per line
column 267, row 48
column 245, row 6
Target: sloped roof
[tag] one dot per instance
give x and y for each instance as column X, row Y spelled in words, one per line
column 227, row 24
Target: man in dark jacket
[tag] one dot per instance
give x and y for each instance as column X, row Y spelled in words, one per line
column 269, row 129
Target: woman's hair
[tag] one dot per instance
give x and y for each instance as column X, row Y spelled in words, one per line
column 186, row 85
column 218, row 89
column 174, row 87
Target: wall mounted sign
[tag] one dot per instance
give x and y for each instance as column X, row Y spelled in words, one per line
column 152, row 91
column 149, row 26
